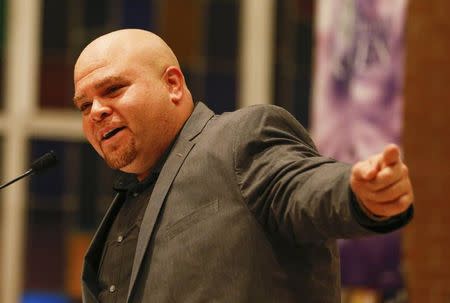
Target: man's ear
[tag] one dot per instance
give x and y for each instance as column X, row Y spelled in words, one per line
column 174, row 80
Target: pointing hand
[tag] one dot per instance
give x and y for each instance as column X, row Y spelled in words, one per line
column 381, row 183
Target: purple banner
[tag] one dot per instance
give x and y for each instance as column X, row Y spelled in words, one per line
column 357, row 94
column 356, row 111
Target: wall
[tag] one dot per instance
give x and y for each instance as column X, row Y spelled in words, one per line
column 427, row 149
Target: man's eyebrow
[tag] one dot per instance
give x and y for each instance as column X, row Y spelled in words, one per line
column 108, row 80
column 100, row 84
column 78, row 98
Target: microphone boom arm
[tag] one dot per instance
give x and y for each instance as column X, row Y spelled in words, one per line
column 28, row 172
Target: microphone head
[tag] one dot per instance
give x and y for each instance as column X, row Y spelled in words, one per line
column 46, row 161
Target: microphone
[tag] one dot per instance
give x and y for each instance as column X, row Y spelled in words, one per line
column 41, row 164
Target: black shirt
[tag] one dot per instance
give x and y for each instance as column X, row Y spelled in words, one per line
column 114, row 271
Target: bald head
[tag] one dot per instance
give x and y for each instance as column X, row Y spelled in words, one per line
column 139, row 45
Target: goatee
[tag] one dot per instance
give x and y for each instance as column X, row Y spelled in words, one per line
column 121, row 156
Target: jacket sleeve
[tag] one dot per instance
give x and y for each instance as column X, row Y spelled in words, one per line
column 291, row 189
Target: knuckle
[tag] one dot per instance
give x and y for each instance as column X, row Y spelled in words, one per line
column 407, row 200
column 356, row 169
column 405, row 170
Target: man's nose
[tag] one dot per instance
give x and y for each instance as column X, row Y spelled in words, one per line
column 99, row 110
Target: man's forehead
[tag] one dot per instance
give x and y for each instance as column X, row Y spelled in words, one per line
column 94, row 61
column 89, row 60
column 97, row 53
column 88, row 74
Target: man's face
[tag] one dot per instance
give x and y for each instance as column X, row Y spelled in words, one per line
column 126, row 111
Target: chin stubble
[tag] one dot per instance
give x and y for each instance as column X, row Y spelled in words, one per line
column 122, row 156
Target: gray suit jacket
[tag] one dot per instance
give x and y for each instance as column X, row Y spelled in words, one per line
column 244, row 210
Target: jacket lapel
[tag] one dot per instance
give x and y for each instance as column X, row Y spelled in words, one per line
column 178, row 154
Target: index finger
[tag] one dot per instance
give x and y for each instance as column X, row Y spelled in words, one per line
column 390, row 156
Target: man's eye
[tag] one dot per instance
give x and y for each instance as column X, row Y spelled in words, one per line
column 112, row 89
column 85, row 106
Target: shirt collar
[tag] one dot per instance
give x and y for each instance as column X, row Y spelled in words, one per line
column 128, row 182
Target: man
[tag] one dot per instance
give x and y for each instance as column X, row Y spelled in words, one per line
column 232, row 208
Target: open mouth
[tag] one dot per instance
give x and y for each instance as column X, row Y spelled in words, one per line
column 111, row 133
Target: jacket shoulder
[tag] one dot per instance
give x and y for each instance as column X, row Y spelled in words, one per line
column 258, row 116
